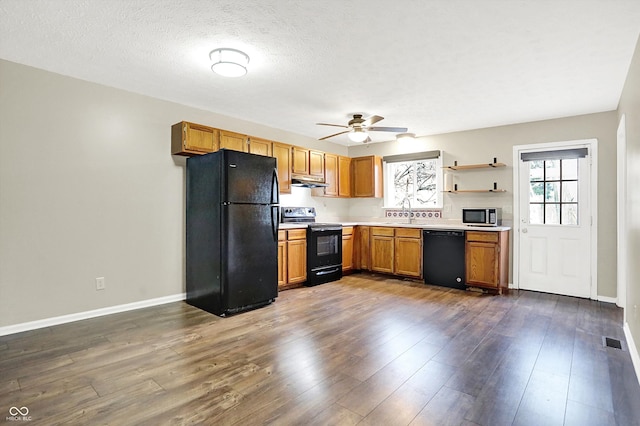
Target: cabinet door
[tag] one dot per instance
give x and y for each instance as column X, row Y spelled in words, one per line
column 300, row 160
column 282, row 264
column 234, row 141
column 316, row 163
column 382, row 254
column 191, row 138
column 482, row 263
column 331, row 175
column 408, row 257
column 367, row 176
column 344, row 176
column 297, row 261
column 260, row 146
column 363, row 258
column 347, row 252
column 282, row 153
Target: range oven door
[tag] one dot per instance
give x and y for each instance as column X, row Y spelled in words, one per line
column 324, row 254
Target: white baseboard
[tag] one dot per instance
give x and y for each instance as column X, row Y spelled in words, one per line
column 635, row 358
column 48, row 322
column 606, row 299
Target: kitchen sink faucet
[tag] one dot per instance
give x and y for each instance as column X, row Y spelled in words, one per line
column 405, row 201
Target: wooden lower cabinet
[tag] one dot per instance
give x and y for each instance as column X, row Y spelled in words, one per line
column 396, row 251
column 487, row 260
column 382, row 249
column 362, row 248
column 282, row 258
column 292, row 258
column 347, row 249
column 408, row 252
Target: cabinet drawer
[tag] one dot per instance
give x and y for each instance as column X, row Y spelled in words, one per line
column 282, row 235
column 490, row 237
column 297, row 234
column 408, row 232
column 347, row 230
column 385, row 232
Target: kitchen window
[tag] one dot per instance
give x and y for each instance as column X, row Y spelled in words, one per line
column 416, row 178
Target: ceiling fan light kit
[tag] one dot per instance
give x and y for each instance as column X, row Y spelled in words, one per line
column 229, row 62
column 358, row 128
column 358, row 135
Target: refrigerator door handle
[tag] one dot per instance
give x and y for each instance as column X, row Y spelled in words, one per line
column 275, row 188
column 274, row 222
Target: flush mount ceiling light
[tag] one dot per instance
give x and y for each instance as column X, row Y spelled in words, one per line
column 401, row 137
column 358, row 135
column 229, row 62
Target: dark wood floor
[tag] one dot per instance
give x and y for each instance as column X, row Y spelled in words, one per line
column 365, row 350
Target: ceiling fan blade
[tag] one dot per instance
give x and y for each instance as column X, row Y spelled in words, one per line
column 386, row 129
column 330, row 136
column 372, row 120
column 334, row 125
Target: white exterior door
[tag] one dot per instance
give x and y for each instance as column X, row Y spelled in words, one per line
column 555, row 220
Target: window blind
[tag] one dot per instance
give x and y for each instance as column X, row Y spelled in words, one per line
column 561, row 154
column 415, row 156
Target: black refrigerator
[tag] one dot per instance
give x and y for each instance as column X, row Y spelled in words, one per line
column 231, row 231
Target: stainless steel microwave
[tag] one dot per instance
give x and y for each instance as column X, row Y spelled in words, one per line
column 482, row 216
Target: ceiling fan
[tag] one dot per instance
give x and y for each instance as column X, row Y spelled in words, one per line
column 358, row 128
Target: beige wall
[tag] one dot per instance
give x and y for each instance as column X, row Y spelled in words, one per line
column 482, row 145
column 630, row 107
column 88, row 189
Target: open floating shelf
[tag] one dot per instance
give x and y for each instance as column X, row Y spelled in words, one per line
column 474, row 166
column 457, row 191
column 475, row 190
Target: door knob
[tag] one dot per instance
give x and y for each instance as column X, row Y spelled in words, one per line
column 525, row 230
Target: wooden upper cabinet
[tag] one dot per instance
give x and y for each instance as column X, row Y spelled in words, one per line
column 331, row 175
column 234, row 141
column 344, row 176
column 367, row 176
column 316, row 163
column 193, row 139
column 300, row 160
column 282, row 153
column 259, row 146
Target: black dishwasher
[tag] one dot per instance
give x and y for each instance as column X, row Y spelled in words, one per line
column 443, row 258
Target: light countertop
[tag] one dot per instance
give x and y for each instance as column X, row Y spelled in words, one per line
column 449, row 226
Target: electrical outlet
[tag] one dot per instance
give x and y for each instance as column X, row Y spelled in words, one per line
column 100, row 284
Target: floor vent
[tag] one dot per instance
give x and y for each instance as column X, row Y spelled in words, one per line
column 612, row 343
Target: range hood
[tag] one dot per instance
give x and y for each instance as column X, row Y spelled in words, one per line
column 306, row 181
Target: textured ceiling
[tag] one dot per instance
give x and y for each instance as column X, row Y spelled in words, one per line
column 433, row 66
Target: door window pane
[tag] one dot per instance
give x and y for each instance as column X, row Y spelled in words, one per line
column 536, row 192
column 553, row 192
column 536, row 214
column 570, row 169
column 570, row 192
column 536, row 170
column 552, row 170
column 552, row 214
column 569, row 214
